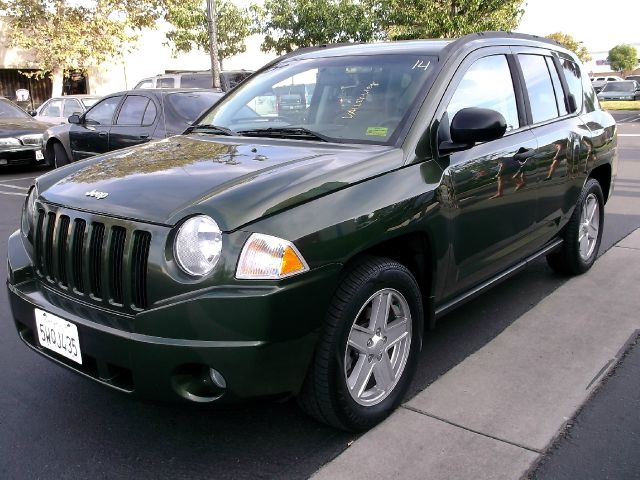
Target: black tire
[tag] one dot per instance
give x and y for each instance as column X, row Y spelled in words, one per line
column 568, row 260
column 60, row 158
column 325, row 394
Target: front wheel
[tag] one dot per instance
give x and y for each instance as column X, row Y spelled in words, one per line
column 582, row 234
column 368, row 348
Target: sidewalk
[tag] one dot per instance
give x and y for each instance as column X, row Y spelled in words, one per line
column 494, row 414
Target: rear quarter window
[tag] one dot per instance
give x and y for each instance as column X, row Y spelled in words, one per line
column 573, row 75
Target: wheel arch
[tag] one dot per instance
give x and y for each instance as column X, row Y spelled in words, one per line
column 414, row 251
column 48, row 150
column 602, row 174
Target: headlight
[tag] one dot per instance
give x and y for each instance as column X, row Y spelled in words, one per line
column 9, row 142
column 32, row 139
column 28, row 212
column 265, row 257
column 198, row 245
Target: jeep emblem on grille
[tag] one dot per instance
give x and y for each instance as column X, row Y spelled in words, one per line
column 96, row 194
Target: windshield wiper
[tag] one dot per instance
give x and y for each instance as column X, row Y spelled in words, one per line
column 213, row 129
column 286, row 132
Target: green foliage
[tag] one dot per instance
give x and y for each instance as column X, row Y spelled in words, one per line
column 70, row 34
column 291, row 24
column 189, row 18
column 623, row 57
column 568, row 42
column 409, row 19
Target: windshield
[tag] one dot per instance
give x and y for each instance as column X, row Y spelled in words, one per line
column 619, row 87
column 363, row 99
column 190, row 105
column 9, row 110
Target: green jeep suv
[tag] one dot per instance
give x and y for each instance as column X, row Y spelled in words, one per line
column 307, row 250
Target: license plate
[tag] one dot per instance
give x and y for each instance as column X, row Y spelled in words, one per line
column 39, row 155
column 58, row 335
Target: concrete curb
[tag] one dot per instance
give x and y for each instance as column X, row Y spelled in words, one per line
column 495, row 413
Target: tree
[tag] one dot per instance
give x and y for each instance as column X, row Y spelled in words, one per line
column 291, row 24
column 568, row 42
column 69, row 34
column 408, row 19
column 623, row 57
column 189, row 19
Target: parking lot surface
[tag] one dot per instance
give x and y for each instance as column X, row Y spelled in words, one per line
column 53, row 422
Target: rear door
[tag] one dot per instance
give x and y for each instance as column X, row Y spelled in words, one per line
column 91, row 136
column 561, row 134
column 135, row 122
column 491, row 202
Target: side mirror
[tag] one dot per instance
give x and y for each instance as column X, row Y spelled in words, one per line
column 472, row 125
column 75, row 119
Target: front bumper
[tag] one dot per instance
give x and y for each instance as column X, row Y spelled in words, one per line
column 28, row 155
column 272, row 361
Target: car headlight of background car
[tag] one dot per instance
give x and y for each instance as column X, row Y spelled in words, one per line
column 265, row 257
column 10, row 142
column 28, row 212
column 198, row 245
column 34, row 139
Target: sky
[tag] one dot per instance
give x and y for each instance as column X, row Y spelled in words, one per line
column 600, row 24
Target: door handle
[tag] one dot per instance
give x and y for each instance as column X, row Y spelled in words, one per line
column 143, row 137
column 102, row 134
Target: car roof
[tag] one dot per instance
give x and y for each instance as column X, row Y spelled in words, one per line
column 163, row 91
column 436, row 47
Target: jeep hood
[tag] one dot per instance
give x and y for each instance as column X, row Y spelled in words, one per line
column 235, row 180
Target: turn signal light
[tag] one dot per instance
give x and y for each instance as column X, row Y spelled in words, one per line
column 265, row 257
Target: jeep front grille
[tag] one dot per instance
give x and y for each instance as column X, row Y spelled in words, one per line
column 103, row 262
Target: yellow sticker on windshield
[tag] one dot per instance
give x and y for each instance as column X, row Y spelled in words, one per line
column 377, row 131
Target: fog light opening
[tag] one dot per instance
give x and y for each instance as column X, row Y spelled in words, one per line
column 198, row 383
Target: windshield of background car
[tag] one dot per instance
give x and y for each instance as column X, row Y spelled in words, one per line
column 190, row 105
column 8, row 110
column 89, row 102
column 362, row 99
column 619, row 87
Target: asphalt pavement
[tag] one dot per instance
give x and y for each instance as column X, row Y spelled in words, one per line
column 56, row 424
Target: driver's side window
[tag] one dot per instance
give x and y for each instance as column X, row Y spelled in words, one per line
column 102, row 112
column 487, row 84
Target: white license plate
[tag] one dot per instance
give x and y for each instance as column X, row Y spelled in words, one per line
column 39, row 155
column 58, row 335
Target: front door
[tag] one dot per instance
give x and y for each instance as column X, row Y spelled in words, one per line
column 91, row 136
column 135, row 122
column 492, row 200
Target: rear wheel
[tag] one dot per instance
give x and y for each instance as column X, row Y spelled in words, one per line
column 582, row 234
column 368, row 348
column 60, row 158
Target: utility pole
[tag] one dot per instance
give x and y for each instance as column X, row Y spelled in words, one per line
column 213, row 42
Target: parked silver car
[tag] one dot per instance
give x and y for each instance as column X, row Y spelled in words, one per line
column 625, row 90
column 57, row 110
column 599, row 82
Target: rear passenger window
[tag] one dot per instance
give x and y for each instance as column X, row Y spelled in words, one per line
column 487, row 84
column 149, row 114
column 574, row 80
column 539, row 87
column 557, row 87
column 132, row 110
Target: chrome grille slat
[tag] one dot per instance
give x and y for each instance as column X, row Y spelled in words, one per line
column 61, row 250
column 95, row 259
column 140, row 254
column 77, row 254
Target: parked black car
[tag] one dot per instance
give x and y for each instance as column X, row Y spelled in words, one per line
column 20, row 136
column 262, row 255
column 125, row 119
